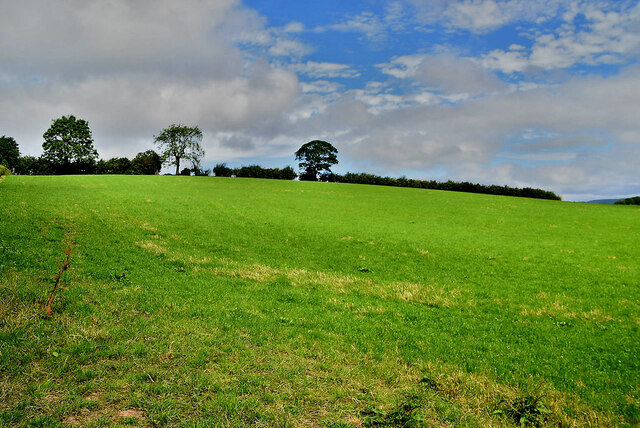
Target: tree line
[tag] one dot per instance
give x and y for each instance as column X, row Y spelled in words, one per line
column 68, row 149
column 635, row 200
column 465, row 186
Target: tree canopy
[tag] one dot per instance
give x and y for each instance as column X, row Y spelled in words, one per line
column 179, row 142
column 68, row 145
column 316, row 157
column 9, row 153
column 146, row 163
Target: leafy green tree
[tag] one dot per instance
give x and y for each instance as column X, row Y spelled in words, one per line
column 147, row 163
column 9, row 153
column 316, row 156
column 68, row 145
column 179, row 142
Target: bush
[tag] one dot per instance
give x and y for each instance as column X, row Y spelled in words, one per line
column 221, row 170
column 251, row 171
column 4, row 171
column 256, row 171
column 146, row 163
column 287, row 173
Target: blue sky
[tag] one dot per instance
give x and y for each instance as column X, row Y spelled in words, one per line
column 524, row 93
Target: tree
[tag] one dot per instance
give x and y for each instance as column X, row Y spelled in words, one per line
column 179, row 142
column 9, row 153
column 68, row 145
column 222, row 170
column 316, row 156
column 147, row 163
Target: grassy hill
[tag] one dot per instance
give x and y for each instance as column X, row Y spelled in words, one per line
column 200, row 301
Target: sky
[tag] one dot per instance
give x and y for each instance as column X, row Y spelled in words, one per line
column 511, row 92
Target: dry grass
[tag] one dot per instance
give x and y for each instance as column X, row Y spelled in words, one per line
column 153, row 247
column 425, row 294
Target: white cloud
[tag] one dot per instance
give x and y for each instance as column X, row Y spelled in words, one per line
column 323, row 69
column 511, row 61
column 444, row 72
column 321, row 86
column 367, row 24
column 609, row 37
column 133, row 68
column 375, row 28
column 73, row 39
column 135, row 108
column 481, row 16
column 559, row 156
column 289, row 48
column 293, row 27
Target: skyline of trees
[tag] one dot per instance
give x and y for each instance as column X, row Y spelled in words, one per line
column 68, row 148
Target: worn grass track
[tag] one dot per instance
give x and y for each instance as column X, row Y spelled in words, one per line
column 210, row 301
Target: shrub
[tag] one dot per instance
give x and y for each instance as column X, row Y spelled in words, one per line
column 251, row 171
column 287, row 173
column 221, row 170
column 256, row 171
column 4, row 171
column 147, row 163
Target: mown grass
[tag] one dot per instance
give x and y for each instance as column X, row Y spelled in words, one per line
column 199, row 301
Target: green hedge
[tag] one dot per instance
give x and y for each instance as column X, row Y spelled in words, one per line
column 363, row 178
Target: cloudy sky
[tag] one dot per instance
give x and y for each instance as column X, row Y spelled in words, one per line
column 526, row 93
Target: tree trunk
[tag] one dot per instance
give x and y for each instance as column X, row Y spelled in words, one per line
column 177, row 166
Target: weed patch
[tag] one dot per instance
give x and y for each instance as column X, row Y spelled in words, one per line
column 62, row 268
column 525, row 410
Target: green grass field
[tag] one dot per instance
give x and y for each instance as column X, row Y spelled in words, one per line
column 199, row 301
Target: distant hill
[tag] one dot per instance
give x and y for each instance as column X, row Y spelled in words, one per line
column 603, row 201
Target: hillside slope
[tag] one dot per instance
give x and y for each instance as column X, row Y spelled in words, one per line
column 241, row 302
